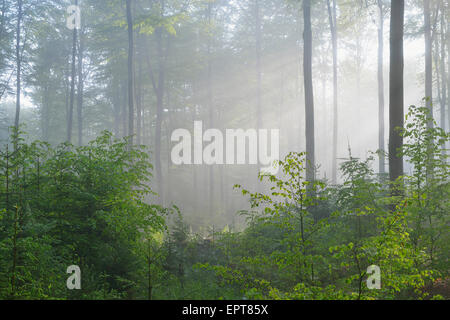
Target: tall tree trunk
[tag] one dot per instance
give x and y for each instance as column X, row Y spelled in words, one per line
column 80, row 90
column 381, row 163
column 18, row 62
column 211, row 108
column 396, row 100
column 138, row 84
column 2, row 17
column 159, row 107
column 116, row 106
column 45, row 116
column 258, row 36
column 124, row 108
column 159, row 88
column 448, row 69
column 428, row 61
column 130, row 74
column 72, row 83
column 333, row 28
column 443, row 72
column 309, row 95
column 448, row 75
column 139, row 101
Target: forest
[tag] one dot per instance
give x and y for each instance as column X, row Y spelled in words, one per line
column 224, row 149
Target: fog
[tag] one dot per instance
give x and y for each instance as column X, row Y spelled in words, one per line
column 225, row 63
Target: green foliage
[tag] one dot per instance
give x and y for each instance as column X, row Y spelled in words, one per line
column 293, row 250
column 74, row 205
column 89, row 206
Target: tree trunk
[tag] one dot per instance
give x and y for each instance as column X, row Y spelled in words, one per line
column 2, row 24
column 333, row 28
column 80, row 91
column 443, row 73
column 258, row 77
column 130, row 74
column 72, row 84
column 124, row 108
column 381, row 164
column 159, row 108
column 139, row 101
column 211, row 110
column 309, row 95
column 18, row 63
column 45, row 115
column 138, row 84
column 116, row 105
column 448, row 76
column 428, row 61
column 396, row 89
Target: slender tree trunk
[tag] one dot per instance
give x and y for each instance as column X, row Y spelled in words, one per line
column 258, row 48
column 124, row 109
column 428, row 61
column 116, row 106
column 45, row 112
column 168, row 127
column 333, row 27
column 448, row 74
column 18, row 62
column 150, row 283
column 2, row 22
column 138, row 84
column 139, row 101
column 130, row 74
column 211, row 109
column 309, row 95
column 72, row 83
column 80, row 90
column 443, row 73
column 159, row 89
column 159, row 108
column 448, row 68
column 14, row 253
column 381, row 163
column 396, row 99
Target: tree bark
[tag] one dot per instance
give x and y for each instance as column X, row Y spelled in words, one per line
column 258, row 35
column 45, row 115
column 130, row 74
column 159, row 107
column 396, row 99
column 211, row 108
column 116, row 106
column 428, row 61
column 381, row 163
column 333, row 28
column 309, row 95
column 80, row 90
column 139, row 101
column 72, row 83
column 443, row 72
column 18, row 62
